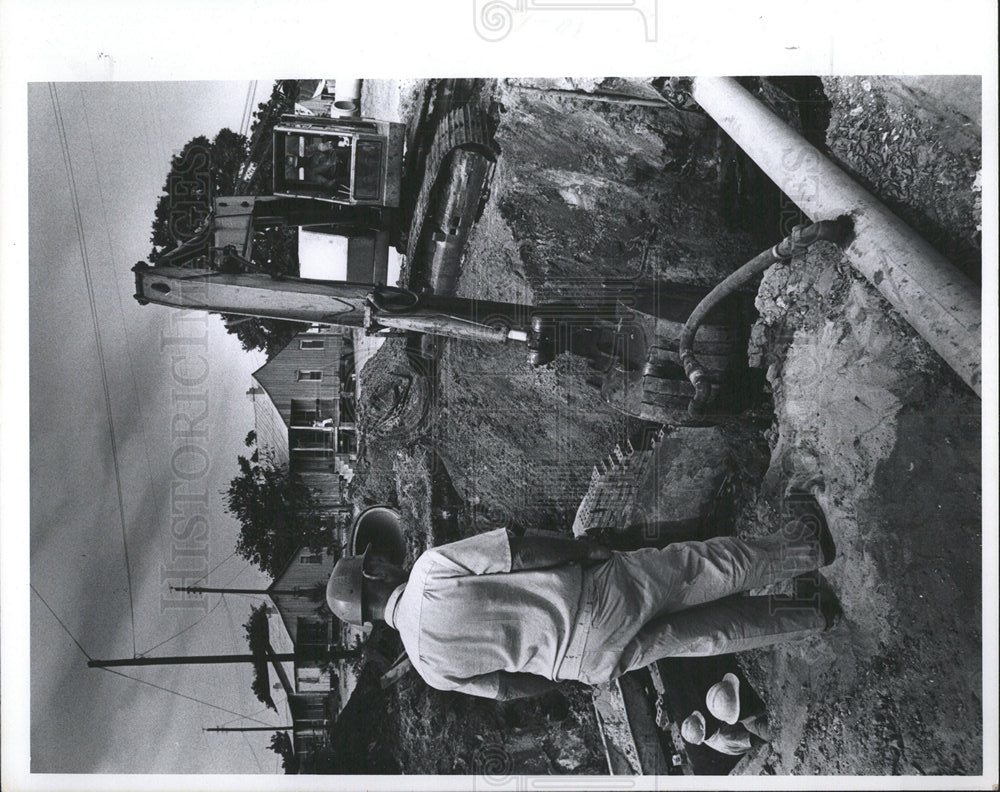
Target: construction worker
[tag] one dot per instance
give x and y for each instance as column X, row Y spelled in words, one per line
column 503, row 616
column 731, row 739
column 730, row 727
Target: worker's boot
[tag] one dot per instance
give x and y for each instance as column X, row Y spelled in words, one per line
column 812, row 588
column 832, row 612
column 801, row 516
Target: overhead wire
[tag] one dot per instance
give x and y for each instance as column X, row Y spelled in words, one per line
column 224, row 560
column 253, row 107
column 233, row 720
column 78, row 220
column 205, row 615
column 152, row 92
column 150, row 156
column 136, row 679
column 246, row 108
column 61, row 622
column 252, row 751
column 185, row 696
column 121, row 307
column 181, row 632
column 81, row 238
column 243, row 682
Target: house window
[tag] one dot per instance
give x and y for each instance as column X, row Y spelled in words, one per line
column 311, row 343
column 310, row 632
column 346, row 442
column 314, row 558
column 309, row 374
column 314, row 413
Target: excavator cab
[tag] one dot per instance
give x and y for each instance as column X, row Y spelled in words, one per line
column 349, row 161
column 335, row 241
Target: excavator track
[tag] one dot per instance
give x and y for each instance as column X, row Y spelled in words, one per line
column 465, row 127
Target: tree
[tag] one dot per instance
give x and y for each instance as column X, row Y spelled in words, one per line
column 268, row 335
column 201, row 170
column 275, row 250
column 204, row 169
column 281, row 744
column 259, row 641
column 277, row 512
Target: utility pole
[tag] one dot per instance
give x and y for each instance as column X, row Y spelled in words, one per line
column 190, row 660
column 280, row 657
column 246, row 728
column 211, row 590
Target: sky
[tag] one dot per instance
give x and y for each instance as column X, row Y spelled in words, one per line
column 120, row 137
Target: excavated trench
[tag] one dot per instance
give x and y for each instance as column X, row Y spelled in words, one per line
column 586, row 190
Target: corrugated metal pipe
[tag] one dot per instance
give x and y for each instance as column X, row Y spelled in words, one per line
column 938, row 301
column 837, row 231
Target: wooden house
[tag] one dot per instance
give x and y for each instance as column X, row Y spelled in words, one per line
column 304, row 404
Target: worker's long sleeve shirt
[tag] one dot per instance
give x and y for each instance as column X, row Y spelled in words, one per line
column 470, row 624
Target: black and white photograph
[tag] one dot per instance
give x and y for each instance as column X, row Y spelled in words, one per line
column 499, row 432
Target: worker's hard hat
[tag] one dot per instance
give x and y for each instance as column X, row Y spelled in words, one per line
column 343, row 590
column 693, row 728
column 723, row 699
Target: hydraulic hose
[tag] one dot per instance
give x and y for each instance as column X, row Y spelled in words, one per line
column 940, row 302
column 837, row 231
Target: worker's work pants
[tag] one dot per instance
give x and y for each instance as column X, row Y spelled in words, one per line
column 683, row 600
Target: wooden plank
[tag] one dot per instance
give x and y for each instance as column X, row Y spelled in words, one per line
column 642, row 723
column 615, row 731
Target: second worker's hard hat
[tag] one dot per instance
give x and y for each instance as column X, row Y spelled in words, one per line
column 693, row 728
column 344, row 589
column 723, row 699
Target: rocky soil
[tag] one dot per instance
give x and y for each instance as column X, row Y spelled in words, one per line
column 586, row 190
column 862, row 402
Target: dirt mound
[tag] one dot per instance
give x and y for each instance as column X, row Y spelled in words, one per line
column 861, row 401
column 918, row 154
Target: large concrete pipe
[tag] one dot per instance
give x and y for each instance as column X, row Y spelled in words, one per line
column 347, row 97
column 938, row 301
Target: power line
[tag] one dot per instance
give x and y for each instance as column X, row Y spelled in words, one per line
column 156, row 115
column 210, row 611
column 252, row 751
column 181, row 632
column 224, row 560
column 246, row 108
column 121, row 307
column 61, row 623
column 232, row 634
column 253, row 107
column 135, row 679
column 185, row 696
column 233, row 720
column 150, row 155
column 78, row 218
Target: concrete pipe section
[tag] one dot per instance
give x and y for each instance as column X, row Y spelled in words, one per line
column 347, row 98
column 938, row 301
column 380, row 527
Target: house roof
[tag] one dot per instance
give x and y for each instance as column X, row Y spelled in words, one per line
column 269, row 425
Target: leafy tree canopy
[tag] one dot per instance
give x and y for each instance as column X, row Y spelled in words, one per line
column 277, row 512
column 231, row 164
column 201, row 170
column 259, row 640
column 281, row 744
